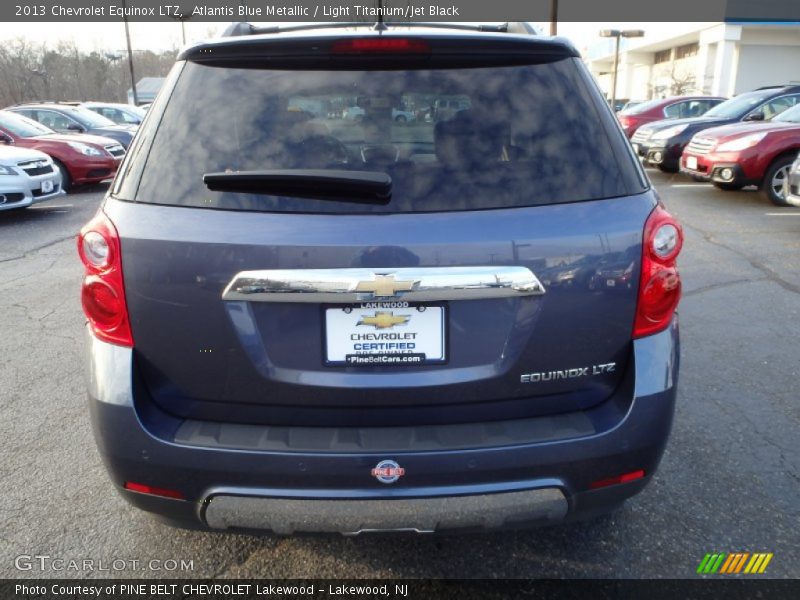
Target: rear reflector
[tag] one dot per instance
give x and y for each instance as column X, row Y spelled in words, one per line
column 153, row 491
column 625, row 478
column 381, row 45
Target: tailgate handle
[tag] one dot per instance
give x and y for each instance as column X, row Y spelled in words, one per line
column 348, row 286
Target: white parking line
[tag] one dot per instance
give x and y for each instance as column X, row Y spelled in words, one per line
column 51, row 206
column 782, row 214
column 682, row 185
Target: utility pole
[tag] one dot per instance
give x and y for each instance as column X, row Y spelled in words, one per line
column 553, row 17
column 130, row 56
column 616, row 33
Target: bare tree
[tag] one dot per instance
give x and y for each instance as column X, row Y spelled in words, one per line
column 680, row 81
column 31, row 72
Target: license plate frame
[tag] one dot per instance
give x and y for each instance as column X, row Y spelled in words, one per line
column 47, row 186
column 335, row 350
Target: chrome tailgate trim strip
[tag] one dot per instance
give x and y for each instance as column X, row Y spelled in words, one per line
column 345, row 286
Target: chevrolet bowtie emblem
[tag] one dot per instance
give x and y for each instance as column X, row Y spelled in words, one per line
column 385, row 286
column 384, row 320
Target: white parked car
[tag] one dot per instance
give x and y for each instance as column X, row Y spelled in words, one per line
column 26, row 176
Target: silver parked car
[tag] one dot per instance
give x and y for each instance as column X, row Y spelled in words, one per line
column 26, row 176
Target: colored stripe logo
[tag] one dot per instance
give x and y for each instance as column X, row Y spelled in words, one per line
column 723, row 563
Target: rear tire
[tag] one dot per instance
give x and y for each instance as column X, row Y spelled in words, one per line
column 66, row 180
column 728, row 187
column 774, row 179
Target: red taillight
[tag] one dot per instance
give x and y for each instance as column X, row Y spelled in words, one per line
column 153, row 491
column 624, row 121
column 625, row 478
column 660, row 284
column 383, row 45
column 103, row 291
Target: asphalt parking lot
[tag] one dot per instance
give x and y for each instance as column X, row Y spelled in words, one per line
column 729, row 480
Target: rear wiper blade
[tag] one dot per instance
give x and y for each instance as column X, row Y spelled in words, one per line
column 364, row 187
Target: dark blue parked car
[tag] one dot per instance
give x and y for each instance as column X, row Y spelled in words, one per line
column 300, row 322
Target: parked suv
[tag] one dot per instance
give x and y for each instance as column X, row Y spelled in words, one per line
column 662, row 143
column 734, row 156
column 68, row 118
column 303, row 324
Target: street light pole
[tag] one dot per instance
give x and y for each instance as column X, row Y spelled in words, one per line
column 616, row 33
column 130, row 56
column 553, row 17
column 614, row 77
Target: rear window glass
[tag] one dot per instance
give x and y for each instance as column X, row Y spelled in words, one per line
column 450, row 139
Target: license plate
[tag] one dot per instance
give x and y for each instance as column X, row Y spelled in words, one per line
column 385, row 334
column 691, row 162
column 610, row 282
column 47, row 187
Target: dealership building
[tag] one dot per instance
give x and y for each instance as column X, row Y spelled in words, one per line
column 720, row 59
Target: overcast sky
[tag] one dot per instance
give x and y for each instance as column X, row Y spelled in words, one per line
column 165, row 36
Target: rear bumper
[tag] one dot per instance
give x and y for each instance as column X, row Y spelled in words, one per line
column 229, row 483
column 355, row 516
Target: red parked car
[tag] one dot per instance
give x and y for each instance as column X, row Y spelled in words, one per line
column 748, row 153
column 676, row 107
column 81, row 158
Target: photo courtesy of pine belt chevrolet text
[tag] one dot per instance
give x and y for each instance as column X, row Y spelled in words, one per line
column 406, row 278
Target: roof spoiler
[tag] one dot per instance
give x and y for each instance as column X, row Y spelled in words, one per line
column 243, row 28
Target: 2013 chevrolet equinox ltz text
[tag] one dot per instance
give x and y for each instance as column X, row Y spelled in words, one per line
column 304, row 322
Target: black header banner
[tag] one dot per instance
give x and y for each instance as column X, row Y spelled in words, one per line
column 399, row 10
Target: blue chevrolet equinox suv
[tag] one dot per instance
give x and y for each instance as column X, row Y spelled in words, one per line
column 300, row 320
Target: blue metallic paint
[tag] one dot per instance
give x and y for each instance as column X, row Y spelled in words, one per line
column 264, row 362
column 634, row 438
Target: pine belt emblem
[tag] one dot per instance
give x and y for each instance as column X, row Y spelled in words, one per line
column 384, row 320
